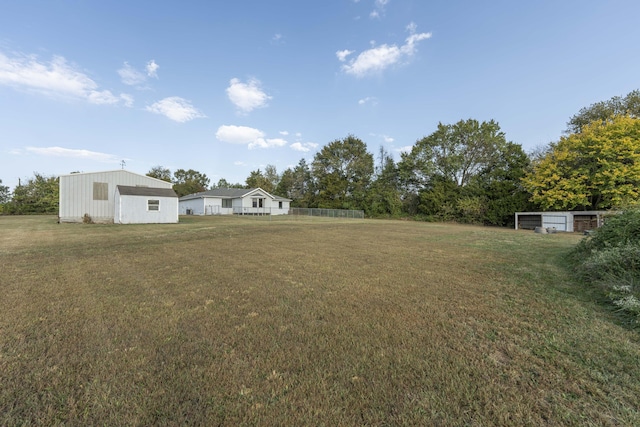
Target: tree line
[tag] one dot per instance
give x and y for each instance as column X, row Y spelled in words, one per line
column 466, row 172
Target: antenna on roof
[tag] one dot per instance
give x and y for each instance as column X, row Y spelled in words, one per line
column 123, row 164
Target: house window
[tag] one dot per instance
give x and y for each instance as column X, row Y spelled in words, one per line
column 100, row 191
column 227, row 203
column 257, row 203
column 279, row 205
column 153, row 205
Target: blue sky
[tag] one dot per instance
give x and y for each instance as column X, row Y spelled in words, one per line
column 230, row 87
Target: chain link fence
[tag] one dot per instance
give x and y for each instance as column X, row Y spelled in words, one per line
column 327, row 213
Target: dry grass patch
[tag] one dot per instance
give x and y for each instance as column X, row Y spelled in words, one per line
column 230, row 321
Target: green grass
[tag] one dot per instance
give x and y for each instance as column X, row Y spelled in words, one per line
column 305, row 321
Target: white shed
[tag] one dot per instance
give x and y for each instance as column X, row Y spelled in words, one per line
column 230, row 201
column 571, row 221
column 145, row 205
column 94, row 194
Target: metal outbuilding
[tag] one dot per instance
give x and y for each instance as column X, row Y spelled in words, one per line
column 570, row 221
column 92, row 197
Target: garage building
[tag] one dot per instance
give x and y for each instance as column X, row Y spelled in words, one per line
column 570, row 221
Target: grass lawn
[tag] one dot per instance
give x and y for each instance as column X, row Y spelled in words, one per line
column 238, row 321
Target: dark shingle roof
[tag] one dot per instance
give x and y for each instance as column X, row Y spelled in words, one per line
column 127, row 190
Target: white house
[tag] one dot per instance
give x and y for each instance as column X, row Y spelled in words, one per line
column 229, row 201
column 145, row 205
column 94, row 194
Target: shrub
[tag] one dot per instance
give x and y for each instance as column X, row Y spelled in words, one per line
column 617, row 230
column 610, row 258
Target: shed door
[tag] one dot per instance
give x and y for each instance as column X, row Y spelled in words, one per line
column 559, row 222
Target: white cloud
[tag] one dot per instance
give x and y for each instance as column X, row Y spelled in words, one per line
column 385, row 138
column 238, row 134
column 152, row 69
column 369, row 99
column 69, row 152
column 379, row 10
column 303, row 146
column 267, row 143
column 379, row 58
column 127, row 99
column 56, row 79
column 176, row 108
column 284, row 132
column 405, row 149
column 130, row 76
column 102, row 97
column 247, row 96
column 342, row 54
column 252, row 137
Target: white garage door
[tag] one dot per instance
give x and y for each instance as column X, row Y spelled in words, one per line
column 559, row 222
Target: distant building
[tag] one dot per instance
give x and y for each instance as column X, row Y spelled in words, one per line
column 234, row 201
column 571, row 221
column 117, row 196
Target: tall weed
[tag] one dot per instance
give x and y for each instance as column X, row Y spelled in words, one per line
column 610, row 258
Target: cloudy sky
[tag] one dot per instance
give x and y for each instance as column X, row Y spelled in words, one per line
column 229, row 87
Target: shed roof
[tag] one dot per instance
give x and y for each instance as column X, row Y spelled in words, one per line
column 127, row 190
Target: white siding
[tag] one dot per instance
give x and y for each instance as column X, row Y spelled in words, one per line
column 276, row 207
column 204, row 206
column 195, row 206
column 212, row 205
column 134, row 210
column 77, row 198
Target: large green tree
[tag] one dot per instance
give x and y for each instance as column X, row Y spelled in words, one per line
column 5, row 196
column 5, row 193
column 160, row 172
column 297, row 184
column 39, row 195
column 437, row 172
column 499, row 187
column 223, row 183
column 384, row 193
column 602, row 111
column 457, row 152
column 596, row 168
column 267, row 180
column 342, row 171
column 271, row 175
column 189, row 182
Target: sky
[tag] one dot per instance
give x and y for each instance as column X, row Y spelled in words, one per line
column 228, row 87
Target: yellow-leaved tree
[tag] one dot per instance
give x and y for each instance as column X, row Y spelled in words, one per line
column 596, row 168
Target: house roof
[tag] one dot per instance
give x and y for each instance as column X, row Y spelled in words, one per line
column 229, row 193
column 127, row 190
